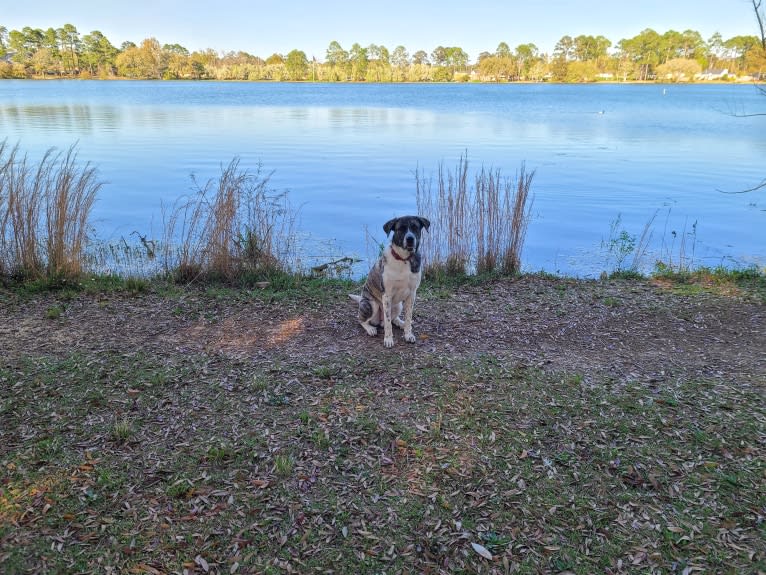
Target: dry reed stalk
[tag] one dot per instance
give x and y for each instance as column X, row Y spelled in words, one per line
column 44, row 213
column 482, row 228
column 222, row 224
column 182, row 243
column 519, row 217
column 70, row 194
column 24, row 194
column 230, row 227
column 489, row 220
column 458, row 217
column 6, row 165
column 643, row 244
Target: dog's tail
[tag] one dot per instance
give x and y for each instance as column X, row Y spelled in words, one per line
column 355, row 297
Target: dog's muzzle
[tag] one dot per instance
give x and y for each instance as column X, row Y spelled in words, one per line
column 410, row 241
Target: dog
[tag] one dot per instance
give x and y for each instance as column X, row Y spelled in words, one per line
column 393, row 281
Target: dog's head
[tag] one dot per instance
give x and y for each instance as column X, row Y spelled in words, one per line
column 407, row 230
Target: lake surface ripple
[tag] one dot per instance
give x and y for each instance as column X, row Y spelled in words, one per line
column 347, row 155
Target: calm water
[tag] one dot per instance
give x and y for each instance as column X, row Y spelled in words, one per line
column 347, row 155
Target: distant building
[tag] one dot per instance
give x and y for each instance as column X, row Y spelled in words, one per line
column 713, row 74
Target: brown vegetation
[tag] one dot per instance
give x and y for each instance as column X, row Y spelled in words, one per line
column 230, row 227
column 477, row 228
column 44, row 210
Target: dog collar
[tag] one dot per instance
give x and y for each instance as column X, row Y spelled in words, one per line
column 400, row 258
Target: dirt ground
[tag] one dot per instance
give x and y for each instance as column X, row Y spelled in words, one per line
column 623, row 329
column 537, row 425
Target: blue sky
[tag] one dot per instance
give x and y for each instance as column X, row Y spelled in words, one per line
column 263, row 27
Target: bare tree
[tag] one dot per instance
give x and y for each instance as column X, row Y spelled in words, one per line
column 761, row 18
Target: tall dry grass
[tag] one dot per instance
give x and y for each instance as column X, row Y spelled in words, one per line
column 474, row 228
column 229, row 228
column 44, row 212
column 448, row 207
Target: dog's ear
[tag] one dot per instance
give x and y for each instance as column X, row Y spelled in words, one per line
column 389, row 225
column 424, row 222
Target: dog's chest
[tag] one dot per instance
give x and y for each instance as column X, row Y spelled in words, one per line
column 399, row 281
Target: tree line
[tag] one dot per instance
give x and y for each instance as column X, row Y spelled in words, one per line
column 676, row 56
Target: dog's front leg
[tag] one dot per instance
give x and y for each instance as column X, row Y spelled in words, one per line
column 388, row 332
column 409, row 305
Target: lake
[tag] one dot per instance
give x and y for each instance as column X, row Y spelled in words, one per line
column 347, row 155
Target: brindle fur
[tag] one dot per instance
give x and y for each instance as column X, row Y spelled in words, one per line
column 393, row 281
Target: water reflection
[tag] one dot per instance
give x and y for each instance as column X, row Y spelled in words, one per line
column 347, row 153
column 76, row 119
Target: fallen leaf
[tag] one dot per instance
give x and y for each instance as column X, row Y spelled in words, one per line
column 481, row 550
column 144, row 568
column 199, row 560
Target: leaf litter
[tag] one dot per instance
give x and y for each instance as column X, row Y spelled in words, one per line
column 537, row 425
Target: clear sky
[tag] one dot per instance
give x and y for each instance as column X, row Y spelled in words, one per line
column 263, row 27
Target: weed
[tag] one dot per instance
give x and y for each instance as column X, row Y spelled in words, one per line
column 718, row 280
column 260, row 382
column 136, row 285
column 626, row 275
column 320, row 439
column 325, row 371
column 283, row 465
column 621, row 244
column 180, row 488
column 122, row 430
column 219, row 453
column 54, row 312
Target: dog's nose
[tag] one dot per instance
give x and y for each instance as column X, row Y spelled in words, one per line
column 409, row 240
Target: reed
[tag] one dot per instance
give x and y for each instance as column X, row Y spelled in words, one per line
column 519, row 218
column 687, row 245
column 44, row 211
column 232, row 227
column 479, row 228
column 622, row 245
column 69, row 200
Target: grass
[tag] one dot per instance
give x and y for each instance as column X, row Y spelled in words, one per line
column 549, row 472
column 719, row 280
column 44, row 211
column 231, row 228
column 626, row 254
column 203, row 461
column 478, row 228
column 235, row 230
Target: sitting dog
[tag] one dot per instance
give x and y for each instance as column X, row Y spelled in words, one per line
column 393, row 281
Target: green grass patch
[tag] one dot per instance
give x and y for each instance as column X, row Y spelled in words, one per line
column 119, row 460
column 749, row 282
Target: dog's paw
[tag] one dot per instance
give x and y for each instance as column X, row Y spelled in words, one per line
column 371, row 330
column 388, row 341
column 409, row 337
column 398, row 322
